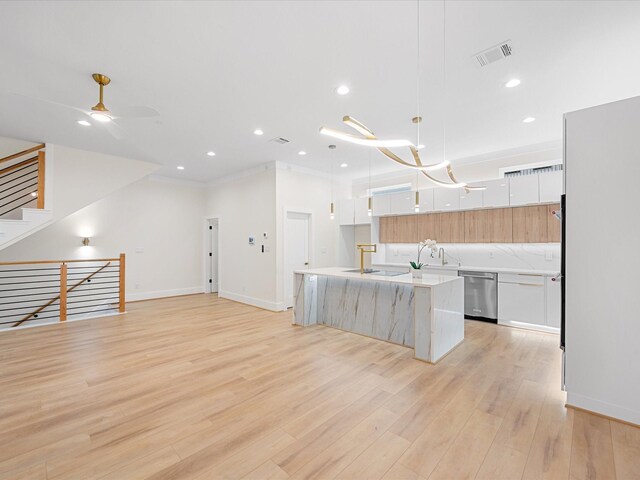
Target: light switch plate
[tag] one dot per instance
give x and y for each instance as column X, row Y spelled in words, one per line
column 139, row 250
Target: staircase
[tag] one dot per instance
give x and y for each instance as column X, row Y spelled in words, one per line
column 22, row 194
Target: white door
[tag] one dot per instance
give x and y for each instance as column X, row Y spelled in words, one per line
column 213, row 256
column 296, row 253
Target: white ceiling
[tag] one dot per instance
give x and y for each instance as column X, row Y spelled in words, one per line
column 218, row 70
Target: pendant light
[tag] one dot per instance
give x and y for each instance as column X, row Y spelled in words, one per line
column 332, row 209
column 416, row 203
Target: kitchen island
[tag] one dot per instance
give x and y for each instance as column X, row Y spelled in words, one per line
column 426, row 314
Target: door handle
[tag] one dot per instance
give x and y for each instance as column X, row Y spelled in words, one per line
column 306, row 263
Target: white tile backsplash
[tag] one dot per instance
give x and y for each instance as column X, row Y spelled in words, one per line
column 528, row 256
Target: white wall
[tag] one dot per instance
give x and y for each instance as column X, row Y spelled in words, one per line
column 77, row 178
column 9, row 146
column 603, row 259
column 246, row 206
column 157, row 224
column 310, row 192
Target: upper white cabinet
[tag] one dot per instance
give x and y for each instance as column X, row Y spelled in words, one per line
column 381, row 205
column 361, row 214
column 446, row 199
column 426, row 200
column 496, row 193
column 401, row 203
column 523, row 190
column 346, row 212
column 550, row 186
column 471, row 199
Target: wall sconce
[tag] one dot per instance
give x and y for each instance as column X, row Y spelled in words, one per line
column 85, row 241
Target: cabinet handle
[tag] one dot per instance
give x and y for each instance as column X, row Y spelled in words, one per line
column 530, row 284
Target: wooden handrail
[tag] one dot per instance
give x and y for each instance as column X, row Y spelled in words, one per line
column 63, row 293
column 15, row 166
column 40, row 262
column 24, row 152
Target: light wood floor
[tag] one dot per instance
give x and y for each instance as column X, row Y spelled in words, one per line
column 199, row 387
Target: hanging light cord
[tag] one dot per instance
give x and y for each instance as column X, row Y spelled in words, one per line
column 418, row 71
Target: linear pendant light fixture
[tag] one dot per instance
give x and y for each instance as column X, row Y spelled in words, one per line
column 332, row 214
column 368, row 138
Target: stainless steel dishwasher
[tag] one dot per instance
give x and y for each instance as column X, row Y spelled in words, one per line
column 480, row 295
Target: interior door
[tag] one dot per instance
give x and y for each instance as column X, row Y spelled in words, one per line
column 296, row 250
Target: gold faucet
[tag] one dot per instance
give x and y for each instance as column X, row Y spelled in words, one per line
column 363, row 250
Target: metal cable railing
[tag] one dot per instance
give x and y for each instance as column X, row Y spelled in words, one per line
column 22, row 182
column 38, row 292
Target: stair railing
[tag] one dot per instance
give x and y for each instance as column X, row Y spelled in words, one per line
column 22, row 181
column 45, row 291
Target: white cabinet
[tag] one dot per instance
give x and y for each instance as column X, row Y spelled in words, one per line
column 451, row 272
column 496, row 193
column 521, row 303
column 361, row 215
column 446, row 199
column 346, row 212
column 426, row 200
column 553, row 302
column 381, row 205
column 471, row 199
column 523, row 190
column 401, row 203
column 550, row 184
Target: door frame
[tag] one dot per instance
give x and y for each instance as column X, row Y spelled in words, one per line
column 207, row 271
column 285, row 241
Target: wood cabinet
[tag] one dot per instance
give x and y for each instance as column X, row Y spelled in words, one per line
column 476, row 226
column 530, row 224
column 500, row 225
column 427, row 227
column 554, row 225
column 399, row 229
column 450, row 227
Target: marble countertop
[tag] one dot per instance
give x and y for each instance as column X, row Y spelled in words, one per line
column 427, row 280
column 546, row 273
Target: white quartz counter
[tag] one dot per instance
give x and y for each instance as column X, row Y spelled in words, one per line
column 427, row 280
column 426, row 314
column 545, row 273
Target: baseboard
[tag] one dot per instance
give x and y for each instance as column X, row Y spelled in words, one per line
column 256, row 302
column 134, row 297
column 529, row 326
column 614, row 412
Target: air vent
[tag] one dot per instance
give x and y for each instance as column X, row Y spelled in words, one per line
column 493, row 54
column 280, row 140
column 533, row 171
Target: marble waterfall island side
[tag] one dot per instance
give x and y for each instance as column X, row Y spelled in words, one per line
column 425, row 313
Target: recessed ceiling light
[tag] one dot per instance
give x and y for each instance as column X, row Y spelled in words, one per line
column 344, row 165
column 211, row 154
column 514, row 82
column 342, row 90
column 101, row 117
column 529, row 120
column 257, row 131
column 420, row 147
column 302, row 152
column 180, row 167
column 84, row 123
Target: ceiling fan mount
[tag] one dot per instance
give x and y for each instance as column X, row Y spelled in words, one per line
column 103, row 81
